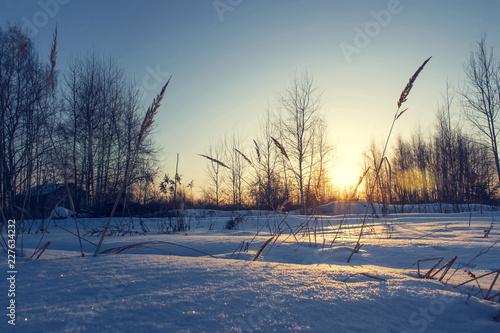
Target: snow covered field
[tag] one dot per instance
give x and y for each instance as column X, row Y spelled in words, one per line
column 300, row 282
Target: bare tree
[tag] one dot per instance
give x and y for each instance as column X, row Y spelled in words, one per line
column 445, row 150
column 378, row 180
column 216, row 172
column 236, row 167
column 421, row 148
column 269, row 189
column 299, row 117
column 26, row 103
column 402, row 163
column 324, row 152
column 146, row 174
column 102, row 123
column 481, row 95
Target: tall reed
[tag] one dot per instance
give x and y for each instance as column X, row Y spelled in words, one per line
column 146, row 125
column 402, row 99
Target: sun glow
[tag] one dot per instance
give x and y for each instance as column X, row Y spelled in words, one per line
column 345, row 175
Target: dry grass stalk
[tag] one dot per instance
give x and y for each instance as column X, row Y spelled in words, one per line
column 257, row 150
column 3, row 216
column 492, row 285
column 476, row 278
column 281, row 148
column 278, row 234
column 432, row 232
column 214, row 160
column 482, row 252
column 40, row 251
column 243, row 247
column 351, row 197
column 120, row 249
column 427, row 275
column 367, row 275
column 446, row 268
column 146, row 125
column 150, row 114
column 292, row 233
column 262, row 248
column 244, row 157
column 402, row 98
column 4, row 242
column 487, row 231
column 82, row 238
column 53, row 54
column 406, row 91
column 74, row 216
column 281, row 207
column 45, row 230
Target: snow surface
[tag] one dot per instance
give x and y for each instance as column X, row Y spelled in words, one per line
column 299, row 283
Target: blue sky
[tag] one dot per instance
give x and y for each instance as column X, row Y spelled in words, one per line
column 228, row 65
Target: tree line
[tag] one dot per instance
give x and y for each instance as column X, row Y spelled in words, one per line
column 80, row 125
column 77, row 126
column 285, row 166
column 457, row 162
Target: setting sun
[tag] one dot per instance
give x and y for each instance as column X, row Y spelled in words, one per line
column 345, row 175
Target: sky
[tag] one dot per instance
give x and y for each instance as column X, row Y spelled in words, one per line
column 229, row 59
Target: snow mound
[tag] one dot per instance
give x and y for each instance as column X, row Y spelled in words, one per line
column 60, row 213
